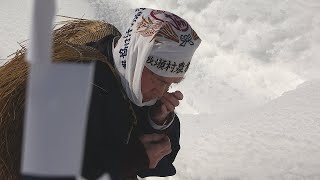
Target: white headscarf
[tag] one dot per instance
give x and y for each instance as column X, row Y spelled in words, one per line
column 159, row 40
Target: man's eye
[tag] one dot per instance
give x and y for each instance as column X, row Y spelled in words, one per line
column 164, row 82
column 161, row 81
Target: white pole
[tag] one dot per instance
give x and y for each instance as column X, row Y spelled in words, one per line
column 41, row 32
column 57, row 104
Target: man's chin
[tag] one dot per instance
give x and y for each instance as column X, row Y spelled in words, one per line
column 149, row 99
column 146, row 100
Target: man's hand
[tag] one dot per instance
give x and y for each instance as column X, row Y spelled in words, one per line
column 157, row 146
column 167, row 104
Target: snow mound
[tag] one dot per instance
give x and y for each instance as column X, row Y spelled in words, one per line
column 279, row 140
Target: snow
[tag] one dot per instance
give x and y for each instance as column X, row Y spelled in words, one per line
column 278, row 140
column 252, row 95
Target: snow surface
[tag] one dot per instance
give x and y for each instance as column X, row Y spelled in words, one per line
column 252, row 95
column 279, row 140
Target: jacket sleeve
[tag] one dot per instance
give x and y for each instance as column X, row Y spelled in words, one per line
column 165, row 166
column 106, row 153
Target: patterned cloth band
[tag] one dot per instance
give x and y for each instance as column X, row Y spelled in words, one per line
column 159, row 40
column 174, row 43
column 167, row 68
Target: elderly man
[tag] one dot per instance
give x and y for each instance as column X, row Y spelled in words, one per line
column 132, row 128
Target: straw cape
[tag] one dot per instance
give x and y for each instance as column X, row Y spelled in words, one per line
column 68, row 46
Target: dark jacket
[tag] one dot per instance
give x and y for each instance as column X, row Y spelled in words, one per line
column 108, row 128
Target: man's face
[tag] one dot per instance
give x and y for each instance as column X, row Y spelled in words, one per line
column 154, row 86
